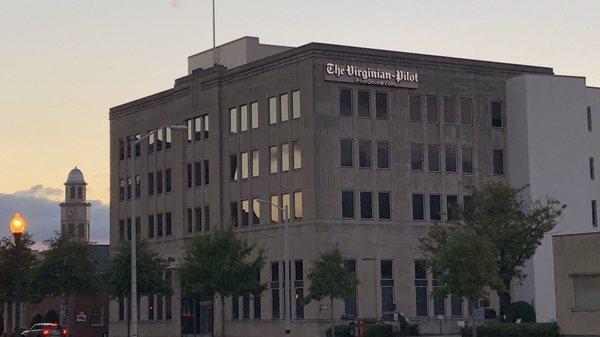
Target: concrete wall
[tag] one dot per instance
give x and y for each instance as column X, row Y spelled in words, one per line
column 548, row 148
column 575, row 255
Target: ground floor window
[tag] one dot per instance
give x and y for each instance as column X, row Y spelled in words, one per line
column 96, row 316
column 196, row 316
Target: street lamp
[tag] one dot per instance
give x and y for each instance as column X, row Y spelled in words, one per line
column 17, row 226
column 286, row 267
column 134, row 308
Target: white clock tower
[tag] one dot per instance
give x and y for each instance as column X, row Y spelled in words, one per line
column 75, row 211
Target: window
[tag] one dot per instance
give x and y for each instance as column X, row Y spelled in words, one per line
column 243, row 118
column 159, row 225
column 246, row 306
column 255, row 163
column 468, row 207
column 348, row 204
column 432, row 109
column 297, row 205
column 190, row 220
column 151, row 307
column 439, row 304
column 233, row 207
column 297, row 155
column 121, row 148
column 272, row 110
column 585, row 292
column 256, row 300
column 233, row 127
column 450, row 158
column 345, row 102
column 299, row 285
column 350, row 301
column 451, row 207
column 435, row 208
column 384, row 205
column 121, row 189
column 381, row 105
column 151, row 141
column 245, row 212
column 387, row 285
column 138, row 146
column 128, row 189
column 467, row 160
column 274, row 210
column 206, row 218
column 138, row 187
column 296, row 104
column 285, row 157
column 205, row 124
column 421, row 288
column 363, row 103
column 346, row 152
column 416, row 157
column 206, row 172
column 254, row 113
column 275, row 290
column 284, row 107
column 594, row 214
column 168, row 180
column 150, row 226
column 198, row 128
column 589, row 118
column 168, row 299
column 233, row 167
column 190, row 129
column 383, row 154
column 235, row 307
column 96, row 317
column 198, row 173
column 417, row 207
column 168, row 224
column 466, row 113
column 364, row 153
column 497, row 114
column 498, row 161
column 433, row 158
column 159, row 182
column 159, row 140
column 121, row 309
column 414, row 103
column 245, row 165
column 274, row 154
column 255, row 212
column 285, row 204
column 456, row 305
column 80, row 190
column 198, row 215
column 189, row 175
column 592, row 174
column 449, row 107
column 366, row 205
column 168, row 137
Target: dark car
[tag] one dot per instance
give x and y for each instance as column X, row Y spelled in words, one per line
column 45, row 330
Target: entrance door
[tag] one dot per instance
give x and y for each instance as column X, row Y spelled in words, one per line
column 196, row 318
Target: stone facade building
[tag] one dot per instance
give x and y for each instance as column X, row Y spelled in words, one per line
column 365, row 148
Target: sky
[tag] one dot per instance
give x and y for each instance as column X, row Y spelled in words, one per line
column 66, row 62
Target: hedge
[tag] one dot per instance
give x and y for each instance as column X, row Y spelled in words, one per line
column 514, row 330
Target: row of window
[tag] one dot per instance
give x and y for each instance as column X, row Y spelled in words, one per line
column 433, row 158
column 199, row 173
column 197, row 128
column 278, row 270
column 159, row 306
column 435, row 206
column 364, row 153
column 195, row 221
column 364, row 107
column 157, row 183
column 157, row 141
column 366, row 205
column 159, row 225
column 248, row 212
column 247, row 164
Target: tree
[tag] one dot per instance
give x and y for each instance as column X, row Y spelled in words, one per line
column 66, row 269
column 150, row 270
column 29, row 289
column 220, row 265
column 329, row 278
column 496, row 221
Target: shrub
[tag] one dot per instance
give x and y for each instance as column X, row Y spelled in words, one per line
column 407, row 329
column 340, row 331
column 51, row 317
column 38, row 318
column 379, row 330
column 522, row 310
column 513, row 330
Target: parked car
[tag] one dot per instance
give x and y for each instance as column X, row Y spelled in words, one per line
column 45, row 330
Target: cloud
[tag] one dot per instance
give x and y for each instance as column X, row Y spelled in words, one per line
column 40, row 206
column 173, row 3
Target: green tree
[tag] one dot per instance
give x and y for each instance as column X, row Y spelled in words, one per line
column 221, row 265
column 150, row 269
column 499, row 222
column 329, row 278
column 67, row 268
column 30, row 290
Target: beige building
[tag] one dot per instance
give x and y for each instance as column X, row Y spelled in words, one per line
column 366, row 148
column 577, row 279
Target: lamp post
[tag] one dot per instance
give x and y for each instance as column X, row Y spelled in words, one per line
column 286, row 289
column 17, row 226
column 134, row 308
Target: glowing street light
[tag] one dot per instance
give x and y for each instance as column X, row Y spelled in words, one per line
column 17, row 226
